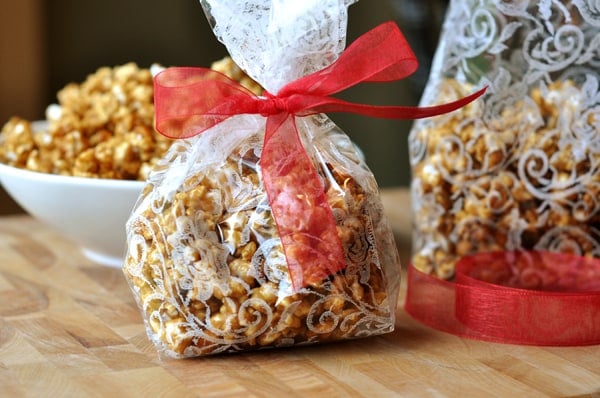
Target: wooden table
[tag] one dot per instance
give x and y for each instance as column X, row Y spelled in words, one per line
column 69, row 328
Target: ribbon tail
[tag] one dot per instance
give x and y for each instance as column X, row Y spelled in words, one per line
column 300, row 208
column 333, row 105
column 436, row 110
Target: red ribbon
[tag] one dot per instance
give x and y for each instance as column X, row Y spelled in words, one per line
column 189, row 101
column 532, row 298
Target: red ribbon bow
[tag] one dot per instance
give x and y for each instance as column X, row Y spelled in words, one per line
column 189, row 101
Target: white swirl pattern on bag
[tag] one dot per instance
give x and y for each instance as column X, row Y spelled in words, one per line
column 505, row 173
column 195, row 259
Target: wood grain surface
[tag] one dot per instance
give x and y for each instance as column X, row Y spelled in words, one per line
column 69, row 328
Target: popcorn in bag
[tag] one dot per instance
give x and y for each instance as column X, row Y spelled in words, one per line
column 262, row 226
column 518, row 170
column 506, row 191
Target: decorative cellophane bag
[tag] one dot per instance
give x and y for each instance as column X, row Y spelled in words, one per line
column 205, row 257
column 520, row 169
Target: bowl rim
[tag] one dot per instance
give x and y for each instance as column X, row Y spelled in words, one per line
column 67, row 179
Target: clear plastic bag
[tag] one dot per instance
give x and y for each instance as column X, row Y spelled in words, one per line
column 519, row 169
column 205, row 260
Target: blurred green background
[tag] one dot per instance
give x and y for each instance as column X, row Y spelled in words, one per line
column 45, row 44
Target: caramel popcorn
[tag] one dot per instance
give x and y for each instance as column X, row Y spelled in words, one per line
column 100, row 128
column 528, row 179
column 208, row 268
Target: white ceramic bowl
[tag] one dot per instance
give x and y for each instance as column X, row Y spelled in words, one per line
column 92, row 212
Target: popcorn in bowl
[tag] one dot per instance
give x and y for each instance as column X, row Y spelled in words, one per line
column 100, row 128
column 90, row 157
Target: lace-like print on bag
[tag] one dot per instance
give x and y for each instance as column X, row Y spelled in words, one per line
column 520, row 169
column 208, row 268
